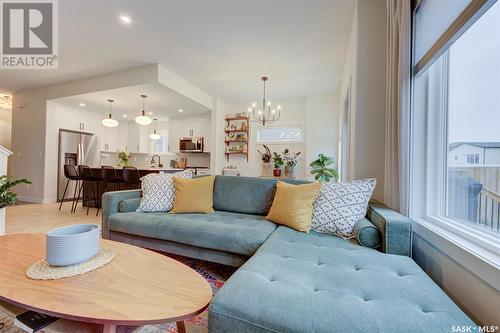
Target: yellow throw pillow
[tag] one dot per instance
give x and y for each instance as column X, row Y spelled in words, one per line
column 293, row 205
column 193, row 195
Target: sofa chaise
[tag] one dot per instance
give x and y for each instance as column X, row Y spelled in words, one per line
column 291, row 281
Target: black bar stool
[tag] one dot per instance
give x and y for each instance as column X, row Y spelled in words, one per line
column 131, row 177
column 87, row 176
column 71, row 173
column 109, row 176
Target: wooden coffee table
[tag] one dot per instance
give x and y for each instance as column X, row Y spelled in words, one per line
column 138, row 287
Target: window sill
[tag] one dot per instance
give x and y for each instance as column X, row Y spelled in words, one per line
column 480, row 257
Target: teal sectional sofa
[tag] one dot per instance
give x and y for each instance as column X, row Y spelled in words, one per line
column 291, row 281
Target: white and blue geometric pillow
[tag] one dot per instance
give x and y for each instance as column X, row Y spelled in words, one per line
column 340, row 205
column 158, row 192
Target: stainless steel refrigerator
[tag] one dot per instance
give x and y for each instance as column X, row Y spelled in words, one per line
column 75, row 148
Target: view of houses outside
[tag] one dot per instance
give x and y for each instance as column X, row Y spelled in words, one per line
column 474, row 125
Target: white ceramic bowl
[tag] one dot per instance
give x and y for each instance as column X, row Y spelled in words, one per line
column 72, row 244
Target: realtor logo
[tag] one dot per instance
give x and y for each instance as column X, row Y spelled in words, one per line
column 28, row 34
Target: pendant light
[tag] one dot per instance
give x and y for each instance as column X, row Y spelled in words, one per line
column 266, row 114
column 143, row 119
column 110, row 122
column 154, row 136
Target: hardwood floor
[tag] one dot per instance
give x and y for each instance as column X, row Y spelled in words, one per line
column 43, row 217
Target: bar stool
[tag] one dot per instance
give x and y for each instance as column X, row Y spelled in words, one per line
column 131, row 177
column 87, row 176
column 71, row 174
column 109, row 176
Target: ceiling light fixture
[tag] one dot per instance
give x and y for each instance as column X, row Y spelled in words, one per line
column 267, row 114
column 125, row 19
column 82, row 105
column 154, row 136
column 143, row 119
column 180, row 110
column 150, row 113
column 110, row 122
column 125, row 116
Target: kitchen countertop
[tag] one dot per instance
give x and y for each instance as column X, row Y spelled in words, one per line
column 147, row 168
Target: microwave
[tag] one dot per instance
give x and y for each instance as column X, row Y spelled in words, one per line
column 191, row 145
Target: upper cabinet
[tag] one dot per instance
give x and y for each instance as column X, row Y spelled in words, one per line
column 192, row 126
column 78, row 120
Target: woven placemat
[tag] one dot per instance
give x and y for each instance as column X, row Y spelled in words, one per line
column 41, row 270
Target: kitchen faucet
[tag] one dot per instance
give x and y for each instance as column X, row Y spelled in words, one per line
column 153, row 161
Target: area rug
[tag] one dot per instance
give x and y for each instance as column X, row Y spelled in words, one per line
column 215, row 274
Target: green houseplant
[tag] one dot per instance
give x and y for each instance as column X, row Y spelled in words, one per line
column 278, row 163
column 7, row 198
column 124, row 158
column 321, row 170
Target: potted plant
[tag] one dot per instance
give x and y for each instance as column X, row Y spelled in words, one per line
column 321, row 170
column 291, row 160
column 278, row 163
column 124, row 158
column 266, row 161
column 7, row 198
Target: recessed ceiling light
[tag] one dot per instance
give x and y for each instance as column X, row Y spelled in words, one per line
column 124, row 116
column 82, row 104
column 125, row 19
column 150, row 113
column 180, row 110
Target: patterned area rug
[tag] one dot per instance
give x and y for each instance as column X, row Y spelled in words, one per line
column 215, row 274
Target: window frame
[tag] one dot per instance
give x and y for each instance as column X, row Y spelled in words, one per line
column 283, row 142
column 476, row 250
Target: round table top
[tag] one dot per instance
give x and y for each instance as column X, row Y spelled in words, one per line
column 138, row 287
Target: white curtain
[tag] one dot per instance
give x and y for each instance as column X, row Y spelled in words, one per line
column 397, row 104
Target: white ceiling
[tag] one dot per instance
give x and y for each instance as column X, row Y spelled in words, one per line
column 161, row 101
column 221, row 46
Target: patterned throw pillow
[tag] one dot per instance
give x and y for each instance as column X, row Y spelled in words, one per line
column 340, row 205
column 158, row 192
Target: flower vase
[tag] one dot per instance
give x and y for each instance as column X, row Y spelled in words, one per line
column 289, row 169
column 277, row 172
column 266, row 170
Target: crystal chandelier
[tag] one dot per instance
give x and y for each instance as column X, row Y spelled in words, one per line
column 266, row 114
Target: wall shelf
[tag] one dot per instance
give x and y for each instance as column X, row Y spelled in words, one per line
column 240, row 140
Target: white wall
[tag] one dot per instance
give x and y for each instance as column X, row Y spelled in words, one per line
column 5, row 127
column 365, row 74
column 318, row 116
column 322, row 124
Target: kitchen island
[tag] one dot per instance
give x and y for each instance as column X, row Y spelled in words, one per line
column 87, row 194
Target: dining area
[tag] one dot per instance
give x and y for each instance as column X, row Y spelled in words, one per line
column 85, row 185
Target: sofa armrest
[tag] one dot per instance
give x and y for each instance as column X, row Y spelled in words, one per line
column 110, row 204
column 396, row 229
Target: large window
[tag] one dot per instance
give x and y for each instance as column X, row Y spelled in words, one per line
column 456, row 133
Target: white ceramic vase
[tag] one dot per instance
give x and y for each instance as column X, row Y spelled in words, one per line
column 2, row 221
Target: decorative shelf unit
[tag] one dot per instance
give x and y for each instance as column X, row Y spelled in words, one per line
column 237, row 134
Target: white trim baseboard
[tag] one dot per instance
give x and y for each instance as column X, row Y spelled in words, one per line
column 35, row 199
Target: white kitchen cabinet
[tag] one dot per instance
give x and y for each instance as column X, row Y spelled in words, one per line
column 138, row 140
column 197, row 126
column 78, row 120
column 91, row 122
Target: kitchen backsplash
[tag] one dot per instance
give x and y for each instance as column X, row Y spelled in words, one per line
column 144, row 160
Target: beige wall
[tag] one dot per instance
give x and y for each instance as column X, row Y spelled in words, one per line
column 364, row 75
column 5, row 127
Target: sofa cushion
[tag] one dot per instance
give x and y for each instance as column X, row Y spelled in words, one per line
column 224, row 231
column 247, row 195
column 367, row 234
column 316, row 282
